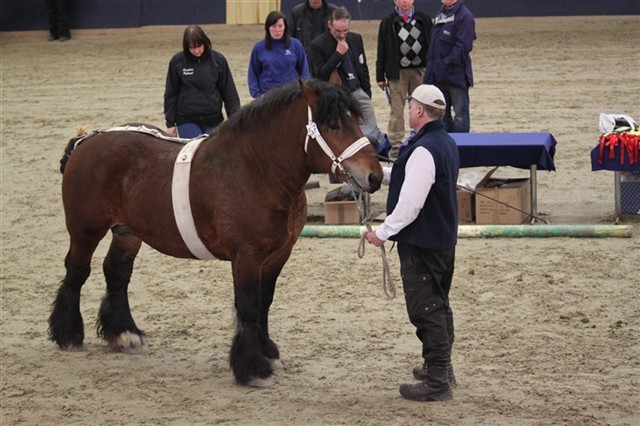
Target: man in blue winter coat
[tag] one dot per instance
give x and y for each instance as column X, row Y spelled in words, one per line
column 449, row 61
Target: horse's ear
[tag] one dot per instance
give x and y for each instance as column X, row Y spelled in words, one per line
column 309, row 93
column 335, row 79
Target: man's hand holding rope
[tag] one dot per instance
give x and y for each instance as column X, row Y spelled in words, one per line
column 373, row 239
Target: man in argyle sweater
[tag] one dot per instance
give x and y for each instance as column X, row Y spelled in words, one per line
column 403, row 40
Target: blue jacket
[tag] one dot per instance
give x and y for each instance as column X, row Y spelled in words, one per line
column 436, row 226
column 448, row 57
column 269, row 68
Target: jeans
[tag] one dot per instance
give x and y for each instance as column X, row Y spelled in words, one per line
column 458, row 100
column 192, row 130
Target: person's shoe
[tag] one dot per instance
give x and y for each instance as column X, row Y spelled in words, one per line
column 452, row 377
column 64, row 38
column 52, row 38
column 420, row 373
column 434, row 388
column 394, row 151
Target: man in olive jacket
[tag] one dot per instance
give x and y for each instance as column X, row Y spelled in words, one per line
column 309, row 19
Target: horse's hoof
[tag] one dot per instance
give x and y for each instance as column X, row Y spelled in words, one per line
column 258, row 382
column 72, row 348
column 128, row 342
column 276, row 363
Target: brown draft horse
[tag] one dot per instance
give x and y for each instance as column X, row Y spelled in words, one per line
column 246, row 194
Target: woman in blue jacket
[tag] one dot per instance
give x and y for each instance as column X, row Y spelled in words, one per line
column 276, row 60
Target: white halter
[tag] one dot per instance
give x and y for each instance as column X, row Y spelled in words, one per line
column 314, row 133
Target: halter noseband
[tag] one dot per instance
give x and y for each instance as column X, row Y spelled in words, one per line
column 314, row 133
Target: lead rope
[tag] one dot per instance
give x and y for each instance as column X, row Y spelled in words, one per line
column 364, row 206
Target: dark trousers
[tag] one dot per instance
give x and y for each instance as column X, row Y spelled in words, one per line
column 426, row 278
column 58, row 18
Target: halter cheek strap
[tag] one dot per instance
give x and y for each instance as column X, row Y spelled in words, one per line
column 314, row 133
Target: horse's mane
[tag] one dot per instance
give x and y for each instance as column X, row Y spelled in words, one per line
column 333, row 102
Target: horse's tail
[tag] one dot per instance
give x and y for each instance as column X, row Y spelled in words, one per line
column 81, row 132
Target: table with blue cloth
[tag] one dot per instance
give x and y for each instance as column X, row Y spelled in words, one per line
column 624, row 160
column 533, row 151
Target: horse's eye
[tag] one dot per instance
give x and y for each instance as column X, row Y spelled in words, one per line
column 334, row 125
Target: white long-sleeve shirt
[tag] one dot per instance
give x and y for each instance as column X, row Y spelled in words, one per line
column 420, row 175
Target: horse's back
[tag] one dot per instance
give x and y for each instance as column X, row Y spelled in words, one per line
column 111, row 158
column 119, row 178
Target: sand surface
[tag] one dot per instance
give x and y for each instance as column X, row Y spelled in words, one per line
column 547, row 329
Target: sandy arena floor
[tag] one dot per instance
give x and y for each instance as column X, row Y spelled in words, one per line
column 547, row 329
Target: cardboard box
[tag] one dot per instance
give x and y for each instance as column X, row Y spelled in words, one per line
column 466, row 206
column 341, row 213
column 514, row 193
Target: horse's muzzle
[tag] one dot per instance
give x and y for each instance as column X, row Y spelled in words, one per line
column 374, row 182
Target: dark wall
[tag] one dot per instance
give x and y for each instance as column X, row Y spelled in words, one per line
column 376, row 9
column 32, row 15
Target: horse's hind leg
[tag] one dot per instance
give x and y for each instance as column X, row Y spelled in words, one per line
column 115, row 323
column 65, row 322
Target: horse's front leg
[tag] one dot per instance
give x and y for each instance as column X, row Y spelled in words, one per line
column 250, row 364
column 115, row 323
column 269, row 278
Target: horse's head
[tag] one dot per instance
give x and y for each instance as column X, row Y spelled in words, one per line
column 334, row 141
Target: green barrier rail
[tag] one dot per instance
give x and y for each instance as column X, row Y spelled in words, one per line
column 490, row 231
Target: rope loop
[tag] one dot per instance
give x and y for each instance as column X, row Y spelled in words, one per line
column 364, row 206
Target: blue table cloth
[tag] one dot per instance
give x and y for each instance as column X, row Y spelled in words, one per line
column 520, row 150
column 612, row 164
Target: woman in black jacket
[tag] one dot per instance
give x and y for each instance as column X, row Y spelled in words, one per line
column 199, row 81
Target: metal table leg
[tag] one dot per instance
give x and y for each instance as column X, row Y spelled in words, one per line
column 616, row 191
column 533, row 174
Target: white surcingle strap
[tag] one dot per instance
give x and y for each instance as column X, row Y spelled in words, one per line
column 314, row 133
column 181, row 202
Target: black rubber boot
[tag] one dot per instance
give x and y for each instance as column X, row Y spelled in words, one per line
column 420, row 373
column 434, row 388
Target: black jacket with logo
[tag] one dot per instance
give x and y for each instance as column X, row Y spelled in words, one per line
column 197, row 88
column 324, row 59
